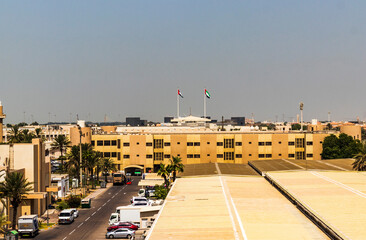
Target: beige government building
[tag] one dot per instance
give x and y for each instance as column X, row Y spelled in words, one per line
column 147, row 147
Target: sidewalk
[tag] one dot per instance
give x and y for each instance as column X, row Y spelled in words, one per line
column 94, row 193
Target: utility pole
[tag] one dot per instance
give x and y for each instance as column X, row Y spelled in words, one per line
column 301, row 119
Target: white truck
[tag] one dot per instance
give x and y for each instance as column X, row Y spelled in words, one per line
column 28, row 225
column 132, row 214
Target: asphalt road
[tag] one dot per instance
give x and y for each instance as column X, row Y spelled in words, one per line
column 92, row 223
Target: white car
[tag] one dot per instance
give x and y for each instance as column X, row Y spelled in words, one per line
column 76, row 212
column 66, row 216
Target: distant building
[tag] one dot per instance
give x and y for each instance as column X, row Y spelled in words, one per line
column 135, row 121
column 168, row 119
column 238, row 121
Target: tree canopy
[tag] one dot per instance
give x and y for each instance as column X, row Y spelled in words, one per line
column 343, row 146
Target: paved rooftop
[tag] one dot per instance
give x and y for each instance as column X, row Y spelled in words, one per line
column 337, row 198
column 284, row 164
column 211, row 169
column 230, row 207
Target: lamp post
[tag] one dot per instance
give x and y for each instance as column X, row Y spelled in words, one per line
column 81, row 159
column 301, row 108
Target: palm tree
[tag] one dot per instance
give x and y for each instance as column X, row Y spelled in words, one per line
column 107, row 166
column 176, row 166
column 14, row 134
column 15, row 187
column 26, row 136
column 61, row 142
column 92, row 161
column 360, row 159
column 73, row 162
column 164, row 172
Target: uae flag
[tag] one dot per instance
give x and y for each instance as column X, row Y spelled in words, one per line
column 208, row 95
column 180, row 93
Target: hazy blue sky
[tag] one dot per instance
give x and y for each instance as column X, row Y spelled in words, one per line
column 127, row 58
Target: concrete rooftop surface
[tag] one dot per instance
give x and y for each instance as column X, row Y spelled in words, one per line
column 337, row 198
column 230, row 207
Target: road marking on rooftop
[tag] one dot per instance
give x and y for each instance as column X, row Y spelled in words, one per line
column 361, row 194
column 87, row 219
column 93, row 213
column 236, row 234
column 80, row 225
column 108, row 200
column 332, row 165
column 64, row 238
column 99, row 208
column 104, row 204
column 72, row 232
column 296, row 165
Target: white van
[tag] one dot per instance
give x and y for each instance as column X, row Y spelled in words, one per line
column 66, row 216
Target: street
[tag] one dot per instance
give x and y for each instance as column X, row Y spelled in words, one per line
column 92, row 223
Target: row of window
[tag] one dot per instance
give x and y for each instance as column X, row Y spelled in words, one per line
column 226, row 155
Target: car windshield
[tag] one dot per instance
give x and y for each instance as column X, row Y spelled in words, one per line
column 117, row 175
column 63, row 214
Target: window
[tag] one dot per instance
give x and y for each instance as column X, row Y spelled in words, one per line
column 158, row 143
column 158, row 155
column 99, row 143
column 291, row 143
column 291, row 155
column 220, row 144
column 309, row 155
column 137, row 155
column 197, row 156
column 228, row 143
column 268, row 143
column 321, row 142
column 238, row 143
column 114, row 143
column 119, row 156
column 279, row 154
column 178, row 155
column 107, row 154
column 250, row 155
column 196, row 144
column 166, row 155
column 229, row 155
column 137, row 143
column 189, row 143
column 220, row 155
column 300, row 155
column 119, row 143
column 148, row 155
column 178, row 143
column 250, row 142
column 93, row 143
column 189, row 155
column 208, row 143
column 166, row 144
column 238, row 156
column 261, row 155
column 126, row 144
column 299, row 142
column 107, row 143
column 114, row 154
column 268, row 155
column 261, row 143
column 279, row 142
column 126, row 156
column 208, row 155
column 309, row 143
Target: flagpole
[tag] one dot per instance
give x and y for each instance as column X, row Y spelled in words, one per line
column 177, row 105
column 204, row 104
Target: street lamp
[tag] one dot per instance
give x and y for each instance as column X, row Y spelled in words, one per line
column 301, row 108
column 81, row 159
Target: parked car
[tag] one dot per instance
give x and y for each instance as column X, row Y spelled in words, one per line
column 122, row 225
column 66, row 216
column 121, row 233
column 76, row 212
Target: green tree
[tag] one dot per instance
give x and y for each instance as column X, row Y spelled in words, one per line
column 164, row 172
column 343, row 146
column 73, row 162
column 107, row 166
column 26, row 136
column 360, row 159
column 175, row 166
column 160, row 192
column 15, row 187
column 92, row 161
column 14, row 134
column 61, row 142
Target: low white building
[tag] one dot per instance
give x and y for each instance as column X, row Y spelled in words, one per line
column 62, row 182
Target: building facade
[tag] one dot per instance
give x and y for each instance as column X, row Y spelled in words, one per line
column 149, row 150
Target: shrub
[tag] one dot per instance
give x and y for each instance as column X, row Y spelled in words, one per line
column 73, row 201
column 161, row 191
column 62, row 205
